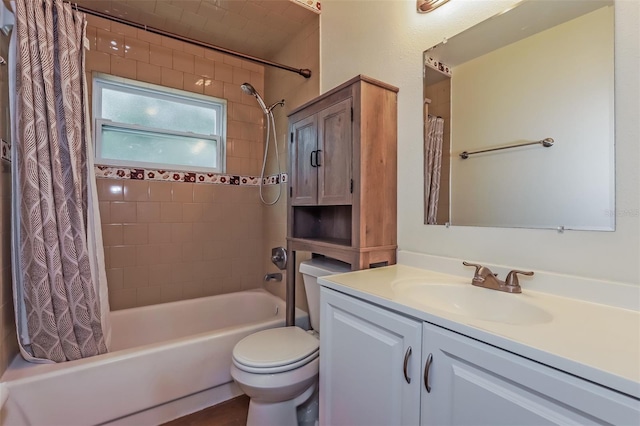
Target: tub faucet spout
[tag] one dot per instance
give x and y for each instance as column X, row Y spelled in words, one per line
column 273, row 277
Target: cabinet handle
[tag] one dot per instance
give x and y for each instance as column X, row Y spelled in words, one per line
column 427, row 365
column 311, row 159
column 318, row 158
column 406, row 363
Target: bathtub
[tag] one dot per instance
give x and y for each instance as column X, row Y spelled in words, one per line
column 166, row 361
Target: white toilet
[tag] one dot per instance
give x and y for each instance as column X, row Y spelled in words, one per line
column 278, row 368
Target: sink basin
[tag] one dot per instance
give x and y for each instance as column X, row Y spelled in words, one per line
column 471, row 301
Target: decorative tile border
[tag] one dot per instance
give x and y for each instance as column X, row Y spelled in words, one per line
column 437, row 65
column 6, row 150
column 110, row 172
column 168, row 176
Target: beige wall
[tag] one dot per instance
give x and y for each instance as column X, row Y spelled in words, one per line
column 169, row 241
column 386, row 41
column 304, row 52
column 8, row 339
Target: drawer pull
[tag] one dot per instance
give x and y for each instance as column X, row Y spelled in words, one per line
column 318, row 158
column 406, row 363
column 311, row 158
column 427, row 365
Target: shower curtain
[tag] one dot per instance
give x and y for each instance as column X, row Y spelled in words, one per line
column 432, row 166
column 59, row 279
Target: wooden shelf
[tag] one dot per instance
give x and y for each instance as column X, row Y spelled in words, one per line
column 329, row 242
column 358, row 258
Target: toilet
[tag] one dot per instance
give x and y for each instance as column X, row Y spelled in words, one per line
column 278, row 368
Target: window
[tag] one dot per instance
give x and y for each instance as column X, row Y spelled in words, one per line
column 143, row 125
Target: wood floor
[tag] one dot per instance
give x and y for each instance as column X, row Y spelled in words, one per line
column 228, row 413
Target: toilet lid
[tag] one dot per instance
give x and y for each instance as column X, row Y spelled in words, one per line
column 275, row 347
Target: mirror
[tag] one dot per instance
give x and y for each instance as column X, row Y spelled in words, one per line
column 542, row 69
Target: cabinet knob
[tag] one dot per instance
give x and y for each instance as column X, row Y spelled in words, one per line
column 427, row 366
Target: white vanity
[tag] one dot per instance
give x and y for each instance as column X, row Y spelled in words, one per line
column 408, row 346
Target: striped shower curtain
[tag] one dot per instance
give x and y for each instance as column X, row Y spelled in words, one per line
column 432, row 166
column 59, row 283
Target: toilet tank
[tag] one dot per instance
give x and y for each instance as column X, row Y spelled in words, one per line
column 311, row 270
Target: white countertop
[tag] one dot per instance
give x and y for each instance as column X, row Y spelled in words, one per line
column 597, row 342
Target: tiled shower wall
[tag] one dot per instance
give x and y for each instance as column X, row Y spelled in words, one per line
column 167, row 241
column 170, row 241
column 8, row 339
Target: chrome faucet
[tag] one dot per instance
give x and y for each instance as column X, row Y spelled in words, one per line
column 483, row 277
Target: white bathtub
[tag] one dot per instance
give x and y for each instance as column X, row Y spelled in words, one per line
column 166, row 361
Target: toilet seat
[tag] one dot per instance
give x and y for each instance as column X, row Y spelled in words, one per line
column 275, row 350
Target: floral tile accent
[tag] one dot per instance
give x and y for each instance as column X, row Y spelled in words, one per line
column 271, row 180
column 190, row 177
column 249, row 180
column 6, row 150
column 437, row 65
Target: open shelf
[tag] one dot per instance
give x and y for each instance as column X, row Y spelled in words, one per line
column 329, row 224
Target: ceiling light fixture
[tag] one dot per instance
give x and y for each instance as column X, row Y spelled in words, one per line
column 425, row 6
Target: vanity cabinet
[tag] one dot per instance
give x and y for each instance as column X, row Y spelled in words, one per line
column 342, row 168
column 458, row 381
column 370, row 364
column 475, row 383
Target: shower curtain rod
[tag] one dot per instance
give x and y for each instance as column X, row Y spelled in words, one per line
column 306, row 73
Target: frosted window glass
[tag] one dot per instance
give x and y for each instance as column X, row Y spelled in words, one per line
column 149, row 126
column 150, row 147
column 151, row 111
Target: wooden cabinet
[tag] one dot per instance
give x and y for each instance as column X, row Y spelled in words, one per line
column 362, row 376
column 370, row 364
column 342, row 198
column 321, row 157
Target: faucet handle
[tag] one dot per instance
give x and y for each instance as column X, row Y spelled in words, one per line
column 512, row 277
column 481, row 271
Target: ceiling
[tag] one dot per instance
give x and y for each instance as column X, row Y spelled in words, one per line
column 254, row 27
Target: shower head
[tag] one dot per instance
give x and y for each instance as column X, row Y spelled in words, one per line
column 250, row 90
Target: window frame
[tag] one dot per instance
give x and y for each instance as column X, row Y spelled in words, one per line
column 102, row 81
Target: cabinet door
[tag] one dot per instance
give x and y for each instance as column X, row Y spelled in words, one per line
column 304, row 176
column 475, row 383
column 335, row 154
column 362, row 374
